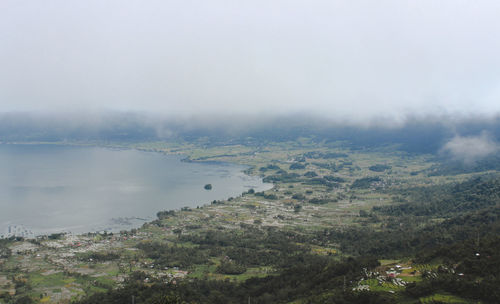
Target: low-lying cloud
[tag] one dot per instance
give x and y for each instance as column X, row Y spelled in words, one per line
column 351, row 61
column 471, row 148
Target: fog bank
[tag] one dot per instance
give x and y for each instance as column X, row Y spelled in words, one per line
column 349, row 60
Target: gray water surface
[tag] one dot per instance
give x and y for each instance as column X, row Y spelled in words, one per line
column 53, row 188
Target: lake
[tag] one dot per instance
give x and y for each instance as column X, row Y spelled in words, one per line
column 52, row 188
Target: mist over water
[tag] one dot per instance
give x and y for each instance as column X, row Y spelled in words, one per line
column 47, row 189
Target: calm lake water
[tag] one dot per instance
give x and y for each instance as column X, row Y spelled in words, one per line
column 48, row 188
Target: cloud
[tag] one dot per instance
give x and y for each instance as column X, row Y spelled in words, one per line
column 470, row 148
column 348, row 60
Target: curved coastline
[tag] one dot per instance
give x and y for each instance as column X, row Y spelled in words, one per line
column 139, row 219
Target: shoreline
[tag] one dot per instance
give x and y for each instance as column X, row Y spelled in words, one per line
column 32, row 234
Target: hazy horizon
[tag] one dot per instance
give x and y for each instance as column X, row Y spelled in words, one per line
column 342, row 60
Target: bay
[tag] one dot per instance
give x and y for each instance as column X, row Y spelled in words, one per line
column 53, row 188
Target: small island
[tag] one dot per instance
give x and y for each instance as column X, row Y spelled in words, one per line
column 208, row 187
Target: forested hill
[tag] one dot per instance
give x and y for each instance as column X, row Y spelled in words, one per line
column 466, row 245
column 444, row 201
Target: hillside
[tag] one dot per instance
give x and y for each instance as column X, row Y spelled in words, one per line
column 332, row 230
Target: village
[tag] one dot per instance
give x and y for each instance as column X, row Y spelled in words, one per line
column 63, row 267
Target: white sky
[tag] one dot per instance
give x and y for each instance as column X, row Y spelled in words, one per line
column 352, row 58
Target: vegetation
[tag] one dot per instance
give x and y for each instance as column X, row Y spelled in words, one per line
column 365, row 182
column 473, row 194
column 342, row 224
column 379, row 168
column 315, row 279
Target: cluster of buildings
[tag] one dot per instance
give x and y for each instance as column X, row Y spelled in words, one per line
column 17, row 231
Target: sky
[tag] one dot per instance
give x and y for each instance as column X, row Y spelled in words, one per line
column 341, row 59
